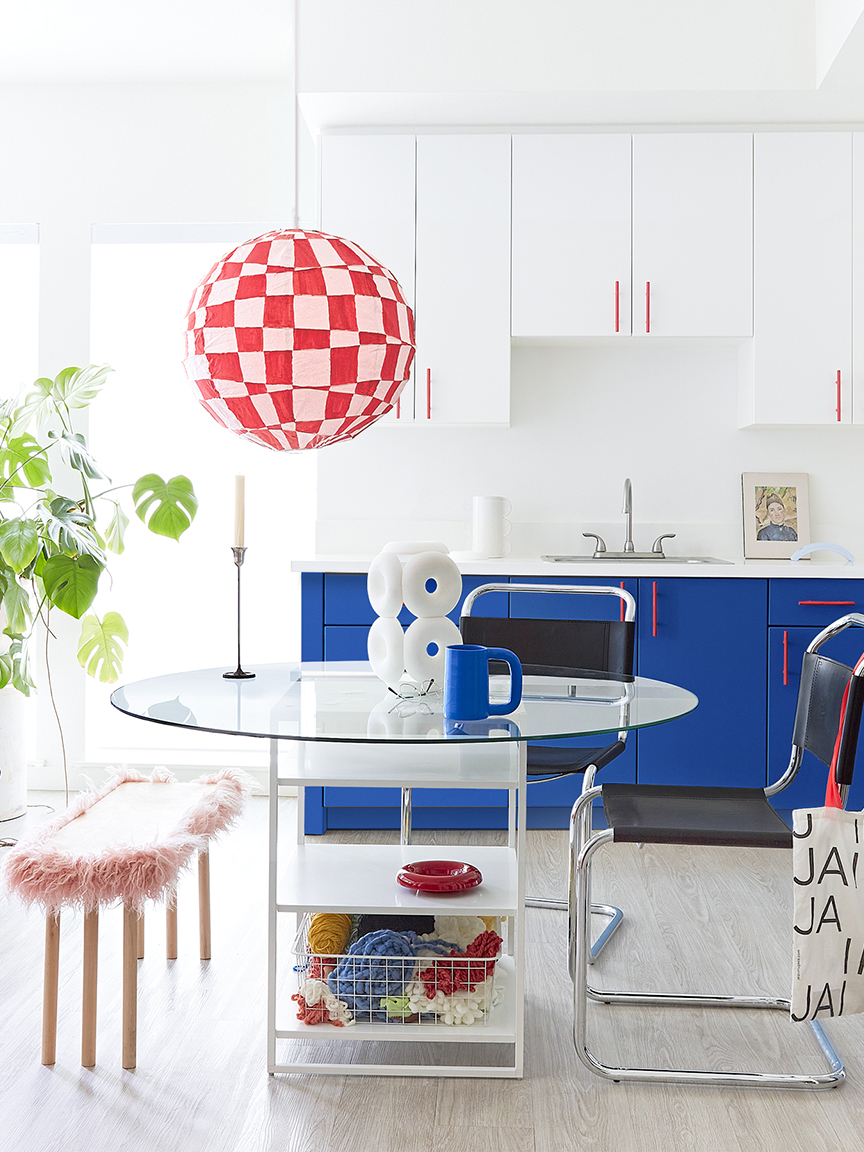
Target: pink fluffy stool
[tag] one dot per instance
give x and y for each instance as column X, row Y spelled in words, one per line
column 125, row 843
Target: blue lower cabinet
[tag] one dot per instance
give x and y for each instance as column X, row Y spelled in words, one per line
column 430, row 807
column 345, row 642
column 707, row 635
column 786, row 647
column 568, row 606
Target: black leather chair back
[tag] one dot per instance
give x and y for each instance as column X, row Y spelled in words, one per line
column 558, row 647
column 817, row 715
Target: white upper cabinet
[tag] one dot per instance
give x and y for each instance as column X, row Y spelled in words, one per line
column 858, row 277
column 802, row 348
column 571, row 235
column 368, row 195
column 462, row 367
column 693, row 234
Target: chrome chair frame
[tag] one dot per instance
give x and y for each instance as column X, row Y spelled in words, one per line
column 582, row 850
column 613, row 915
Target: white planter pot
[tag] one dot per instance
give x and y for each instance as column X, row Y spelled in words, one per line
column 13, row 762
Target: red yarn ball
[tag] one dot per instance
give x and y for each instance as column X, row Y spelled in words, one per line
column 298, row 339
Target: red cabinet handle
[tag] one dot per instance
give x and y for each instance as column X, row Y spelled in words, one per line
column 654, row 604
column 399, row 408
column 785, row 658
column 647, row 305
column 838, row 395
column 852, row 602
column 617, row 322
column 428, row 393
column 622, row 602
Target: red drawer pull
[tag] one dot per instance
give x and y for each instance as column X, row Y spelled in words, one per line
column 428, row 393
column 839, row 417
column 852, row 602
column 622, row 602
column 647, row 305
column 654, row 600
column 617, row 307
column 785, row 658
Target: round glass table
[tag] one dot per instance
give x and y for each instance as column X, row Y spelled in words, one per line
column 336, row 724
column 346, row 702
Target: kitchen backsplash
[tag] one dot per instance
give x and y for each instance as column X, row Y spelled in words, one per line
column 584, row 418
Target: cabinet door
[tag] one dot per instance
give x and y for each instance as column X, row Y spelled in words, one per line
column 802, row 279
column 693, row 234
column 786, row 648
column 462, row 365
column 571, row 235
column 858, row 277
column 367, row 191
column 707, row 635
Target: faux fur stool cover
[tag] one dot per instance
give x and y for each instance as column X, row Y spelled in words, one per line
column 127, row 841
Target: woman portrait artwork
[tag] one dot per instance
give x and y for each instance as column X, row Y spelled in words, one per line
column 776, row 514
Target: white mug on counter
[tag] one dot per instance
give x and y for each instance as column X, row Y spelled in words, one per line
column 489, row 526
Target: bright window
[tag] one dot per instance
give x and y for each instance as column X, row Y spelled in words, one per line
column 178, row 599
column 19, row 305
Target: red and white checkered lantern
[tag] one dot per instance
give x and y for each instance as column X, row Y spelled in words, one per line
column 298, row 340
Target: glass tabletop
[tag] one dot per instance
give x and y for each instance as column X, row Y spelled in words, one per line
column 345, row 702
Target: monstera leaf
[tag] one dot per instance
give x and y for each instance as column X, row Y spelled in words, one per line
column 71, row 529
column 16, row 602
column 71, row 582
column 116, row 530
column 74, row 450
column 167, row 507
column 23, row 462
column 71, row 388
column 100, row 646
column 19, row 542
column 15, row 666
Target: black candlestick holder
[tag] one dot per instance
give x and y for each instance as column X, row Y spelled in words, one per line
column 238, row 674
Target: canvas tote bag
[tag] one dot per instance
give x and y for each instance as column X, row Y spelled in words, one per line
column 828, row 925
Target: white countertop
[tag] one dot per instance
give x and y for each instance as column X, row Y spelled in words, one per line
column 534, row 566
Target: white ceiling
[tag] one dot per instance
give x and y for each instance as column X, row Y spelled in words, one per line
column 133, row 40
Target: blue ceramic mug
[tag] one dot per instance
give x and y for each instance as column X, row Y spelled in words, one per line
column 466, row 682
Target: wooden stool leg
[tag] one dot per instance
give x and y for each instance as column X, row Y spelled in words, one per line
column 204, row 903
column 140, row 948
column 88, row 999
column 130, row 984
column 171, row 927
column 49, row 988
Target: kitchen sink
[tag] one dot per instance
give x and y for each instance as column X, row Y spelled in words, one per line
column 646, row 558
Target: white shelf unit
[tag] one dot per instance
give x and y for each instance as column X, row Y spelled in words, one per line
column 323, row 877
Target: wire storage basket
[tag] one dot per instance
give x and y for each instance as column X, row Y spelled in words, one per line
column 399, row 977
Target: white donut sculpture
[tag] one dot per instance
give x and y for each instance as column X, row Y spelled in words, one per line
column 424, row 579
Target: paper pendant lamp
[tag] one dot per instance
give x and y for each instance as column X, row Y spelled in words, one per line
column 298, row 339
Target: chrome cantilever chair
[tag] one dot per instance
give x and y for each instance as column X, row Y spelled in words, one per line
column 568, row 649
column 721, row 817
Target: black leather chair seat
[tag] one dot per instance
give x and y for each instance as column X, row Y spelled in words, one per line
column 665, row 814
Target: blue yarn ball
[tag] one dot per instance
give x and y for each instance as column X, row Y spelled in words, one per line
column 378, row 965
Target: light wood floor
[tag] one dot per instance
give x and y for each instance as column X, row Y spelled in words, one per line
column 697, row 920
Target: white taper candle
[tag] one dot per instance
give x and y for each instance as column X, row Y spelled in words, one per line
column 239, row 510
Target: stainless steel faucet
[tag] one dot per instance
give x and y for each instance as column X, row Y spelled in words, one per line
column 628, row 512
column 629, row 553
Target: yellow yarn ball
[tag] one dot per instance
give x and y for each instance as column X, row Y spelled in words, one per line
column 328, row 933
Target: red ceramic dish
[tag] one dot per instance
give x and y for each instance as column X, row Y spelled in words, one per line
column 439, row 876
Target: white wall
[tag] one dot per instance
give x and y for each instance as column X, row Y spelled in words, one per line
column 583, row 419
column 554, row 45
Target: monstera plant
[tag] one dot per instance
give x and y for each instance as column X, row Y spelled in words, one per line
column 54, row 545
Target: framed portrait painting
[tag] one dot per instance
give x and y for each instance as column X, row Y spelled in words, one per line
column 776, row 514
